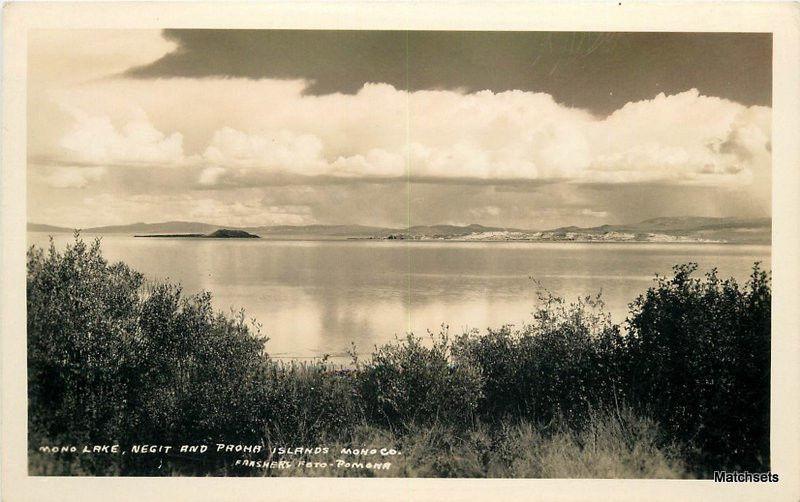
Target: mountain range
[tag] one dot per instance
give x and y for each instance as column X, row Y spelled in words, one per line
column 731, row 230
column 340, row 231
column 755, row 230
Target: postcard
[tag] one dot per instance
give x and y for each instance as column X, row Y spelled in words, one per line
column 400, row 251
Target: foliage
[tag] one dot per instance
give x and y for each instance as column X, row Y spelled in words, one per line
column 111, row 360
column 114, row 359
column 409, row 383
column 306, row 403
column 561, row 364
column 698, row 360
column 80, row 314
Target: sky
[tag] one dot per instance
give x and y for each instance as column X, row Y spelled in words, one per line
column 286, row 127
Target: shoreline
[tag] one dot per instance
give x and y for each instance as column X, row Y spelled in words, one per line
column 366, row 239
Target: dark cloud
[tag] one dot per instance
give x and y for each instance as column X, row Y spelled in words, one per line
column 596, row 71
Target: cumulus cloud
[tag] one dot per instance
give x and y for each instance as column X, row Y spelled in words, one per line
column 95, row 140
column 255, row 151
column 685, row 138
column 277, row 150
column 244, row 133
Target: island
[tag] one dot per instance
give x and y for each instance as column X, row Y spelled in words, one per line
column 222, row 233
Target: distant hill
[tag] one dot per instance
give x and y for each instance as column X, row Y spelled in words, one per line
column 739, row 230
column 319, row 230
column 677, row 224
column 38, row 227
column 222, row 233
column 167, row 227
column 362, row 231
column 171, row 227
column 451, row 230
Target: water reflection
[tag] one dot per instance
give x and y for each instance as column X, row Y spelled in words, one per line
column 316, row 297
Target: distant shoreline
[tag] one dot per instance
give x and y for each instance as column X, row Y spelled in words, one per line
column 421, row 241
column 688, row 230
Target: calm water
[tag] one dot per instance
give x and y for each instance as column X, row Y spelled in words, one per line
column 316, row 297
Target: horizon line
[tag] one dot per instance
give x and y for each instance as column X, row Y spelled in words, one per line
column 385, row 227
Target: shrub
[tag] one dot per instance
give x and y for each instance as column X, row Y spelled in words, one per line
column 698, row 360
column 409, row 383
column 307, row 403
column 563, row 363
column 81, row 311
column 113, row 361
column 197, row 371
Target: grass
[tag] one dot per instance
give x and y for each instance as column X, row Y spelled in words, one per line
column 610, row 446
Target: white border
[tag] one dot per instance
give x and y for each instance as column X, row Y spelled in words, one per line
column 782, row 19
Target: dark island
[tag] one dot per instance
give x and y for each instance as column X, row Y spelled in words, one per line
column 222, row 233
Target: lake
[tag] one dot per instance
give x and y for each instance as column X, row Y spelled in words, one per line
column 316, row 297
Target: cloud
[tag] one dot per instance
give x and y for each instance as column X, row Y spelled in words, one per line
column 593, row 214
column 94, row 139
column 578, row 68
column 210, row 176
column 275, row 147
column 71, row 177
column 483, row 213
column 244, row 210
column 260, row 130
column 278, row 151
column 682, row 139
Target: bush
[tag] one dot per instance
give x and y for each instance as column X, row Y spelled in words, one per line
column 408, row 383
column 562, row 364
column 307, row 403
column 113, row 361
column 80, row 314
column 698, row 360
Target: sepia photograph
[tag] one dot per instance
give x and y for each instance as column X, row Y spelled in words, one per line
column 399, row 253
